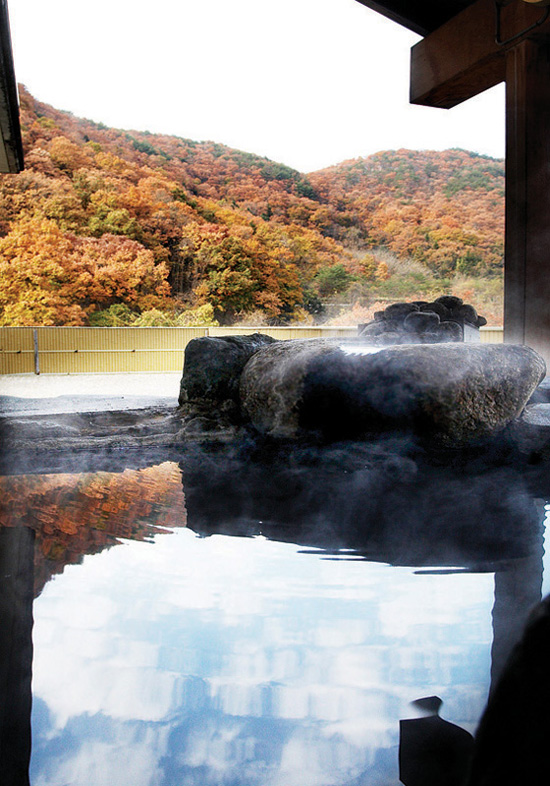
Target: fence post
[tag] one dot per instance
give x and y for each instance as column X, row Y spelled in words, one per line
column 36, row 359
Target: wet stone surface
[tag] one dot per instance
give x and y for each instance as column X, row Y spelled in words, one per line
column 454, row 394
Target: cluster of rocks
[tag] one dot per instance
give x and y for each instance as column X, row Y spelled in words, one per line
column 447, row 318
column 454, row 394
column 449, row 394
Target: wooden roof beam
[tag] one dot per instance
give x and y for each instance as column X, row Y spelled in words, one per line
column 463, row 58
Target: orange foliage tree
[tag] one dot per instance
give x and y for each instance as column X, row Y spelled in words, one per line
column 51, row 277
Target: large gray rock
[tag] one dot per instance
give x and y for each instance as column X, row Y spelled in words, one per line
column 272, row 387
column 454, row 393
column 213, row 366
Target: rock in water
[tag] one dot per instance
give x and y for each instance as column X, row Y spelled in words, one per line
column 212, row 366
column 453, row 393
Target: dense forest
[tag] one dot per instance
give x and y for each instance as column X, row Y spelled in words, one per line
column 112, row 227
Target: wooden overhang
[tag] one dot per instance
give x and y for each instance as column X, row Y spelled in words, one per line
column 422, row 16
column 11, row 148
column 467, row 48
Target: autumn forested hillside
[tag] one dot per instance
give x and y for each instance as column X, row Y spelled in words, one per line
column 110, row 227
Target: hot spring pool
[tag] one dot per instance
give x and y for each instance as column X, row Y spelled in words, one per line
column 166, row 658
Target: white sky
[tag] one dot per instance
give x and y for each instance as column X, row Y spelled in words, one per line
column 309, row 83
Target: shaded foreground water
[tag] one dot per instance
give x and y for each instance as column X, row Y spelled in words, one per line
column 168, row 652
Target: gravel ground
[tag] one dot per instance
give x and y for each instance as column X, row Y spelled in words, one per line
column 60, row 393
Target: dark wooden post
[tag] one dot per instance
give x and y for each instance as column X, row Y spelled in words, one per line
column 527, row 254
column 16, row 598
column 468, row 54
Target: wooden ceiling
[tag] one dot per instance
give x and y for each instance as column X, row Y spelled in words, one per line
column 421, row 16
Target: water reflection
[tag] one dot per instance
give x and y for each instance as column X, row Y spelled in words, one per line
column 248, row 661
column 74, row 514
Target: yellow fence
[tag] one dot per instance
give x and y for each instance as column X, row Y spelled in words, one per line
column 491, row 335
column 74, row 350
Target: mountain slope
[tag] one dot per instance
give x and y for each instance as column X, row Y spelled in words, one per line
column 445, row 210
column 108, row 227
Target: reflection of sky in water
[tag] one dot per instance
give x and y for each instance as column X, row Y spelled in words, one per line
column 244, row 662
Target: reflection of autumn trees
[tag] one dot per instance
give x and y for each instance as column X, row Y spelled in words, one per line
column 103, row 218
column 79, row 514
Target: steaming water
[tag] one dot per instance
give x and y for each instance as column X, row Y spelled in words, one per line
column 179, row 660
column 352, row 348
